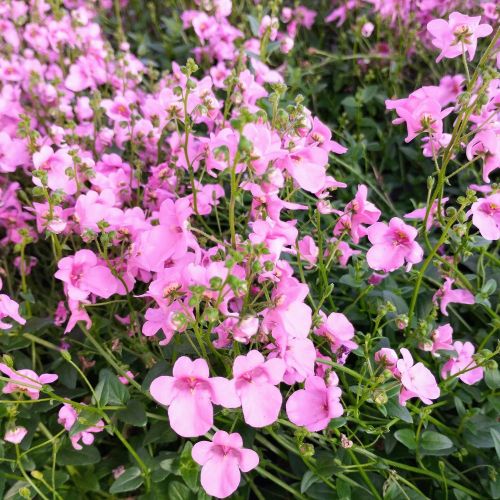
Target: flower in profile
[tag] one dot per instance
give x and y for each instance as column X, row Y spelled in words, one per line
column 15, row 435
column 417, row 380
column 26, row 381
column 441, row 340
column 419, row 213
column 464, row 362
column 189, row 395
column 314, row 406
column 486, row 216
column 222, row 460
column 255, row 381
column 393, row 245
column 459, row 34
column 446, row 295
column 388, row 358
column 486, row 144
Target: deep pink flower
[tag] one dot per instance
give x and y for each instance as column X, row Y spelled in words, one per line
column 393, row 245
column 13, row 153
column 463, row 361
column 460, row 33
column 222, row 462
column 314, row 406
column 189, row 395
column 26, row 381
column 255, row 381
column 486, row 216
column 416, row 379
column 445, row 295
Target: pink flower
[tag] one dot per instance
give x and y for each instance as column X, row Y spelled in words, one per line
column 26, row 381
column 445, row 295
column 255, row 382
column 83, row 275
column 307, row 166
column 9, row 309
column 357, row 213
column 55, row 164
column 339, row 331
column 189, row 395
column 125, row 380
column 67, row 417
column 15, row 435
column 417, row 380
column 13, row 153
column 388, row 358
column 419, row 213
column 308, row 250
column 460, row 33
column 314, row 406
column 486, row 144
column 441, row 338
column 463, row 363
column 393, row 245
column 221, row 461
column 367, row 29
column 486, row 216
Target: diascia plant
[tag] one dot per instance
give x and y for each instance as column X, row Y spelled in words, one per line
column 226, row 273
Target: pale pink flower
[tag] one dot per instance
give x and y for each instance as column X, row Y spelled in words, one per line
column 189, row 395
column 222, row 462
column 445, row 295
column 367, row 29
column 393, row 245
column 486, row 216
column 125, row 380
column 464, row 362
column 25, row 381
column 55, row 164
column 460, row 33
column 416, row 379
column 388, row 358
column 255, row 381
column 15, row 435
column 314, row 406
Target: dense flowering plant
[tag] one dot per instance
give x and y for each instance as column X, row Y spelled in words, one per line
column 249, row 250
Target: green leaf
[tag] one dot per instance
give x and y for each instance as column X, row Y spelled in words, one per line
column 308, row 479
column 492, row 379
column 394, row 409
column 134, row 414
column 496, row 440
column 86, row 419
column 406, row 437
column 178, row 491
column 130, row 480
column 434, row 441
column 343, row 489
column 189, row 469
column 86, row 456
column 110, row 390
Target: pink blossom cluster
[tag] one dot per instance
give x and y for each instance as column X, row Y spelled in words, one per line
column 130, row 228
